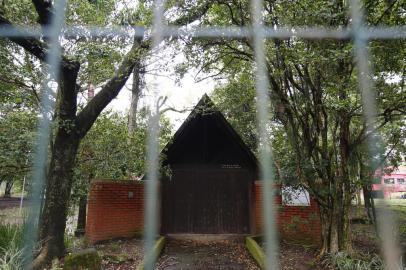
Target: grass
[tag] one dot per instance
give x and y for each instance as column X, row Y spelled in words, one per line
column 400, row 213
column 12, row 259
column 344, row 261
column 398, row 206
column 11, row 247
column 10, row 235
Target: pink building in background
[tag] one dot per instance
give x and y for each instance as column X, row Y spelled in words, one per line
column 391, row 185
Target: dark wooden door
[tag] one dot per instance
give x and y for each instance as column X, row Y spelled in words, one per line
column 206, row 201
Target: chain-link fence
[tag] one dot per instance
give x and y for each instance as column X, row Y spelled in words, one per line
column 357, row 31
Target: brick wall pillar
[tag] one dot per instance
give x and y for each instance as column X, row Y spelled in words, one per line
column 297, row 223
column 114, row 209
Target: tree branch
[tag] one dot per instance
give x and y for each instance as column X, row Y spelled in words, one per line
column 172, row 109
column 387, row 11
column 193, row 13
column 44, row 10
column 34, row 46
column 110, row 90
column 31, row 45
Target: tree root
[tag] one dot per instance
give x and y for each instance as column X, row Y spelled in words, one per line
column 41, row 260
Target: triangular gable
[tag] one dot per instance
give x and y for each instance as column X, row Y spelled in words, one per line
column 207, row 130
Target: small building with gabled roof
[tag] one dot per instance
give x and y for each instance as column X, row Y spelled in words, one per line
column 210, row 186
column 211, row 176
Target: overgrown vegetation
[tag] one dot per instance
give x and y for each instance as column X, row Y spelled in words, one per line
column 345, row 261
column 317, row 127
column 11, row 247
column 104, row 62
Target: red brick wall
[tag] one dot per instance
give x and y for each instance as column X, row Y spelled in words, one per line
column 111, row 213
column 298, row 223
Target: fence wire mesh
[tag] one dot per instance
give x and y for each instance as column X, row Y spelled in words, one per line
column 358, row 32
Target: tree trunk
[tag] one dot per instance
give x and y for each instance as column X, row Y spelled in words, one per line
column 368, row 203
column 9, row 186
column 72, row 127
column 55, row 210
column 64, row 147
column 345, row 239
column 81, row 225
column 135, row 95
column 334, row 231
column 344, row 187
column 330, row 228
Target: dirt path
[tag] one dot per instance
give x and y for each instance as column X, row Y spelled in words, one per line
column 191, row 254
column 9, row 202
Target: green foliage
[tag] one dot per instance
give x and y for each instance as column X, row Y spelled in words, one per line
column 109, row 151
column 19, row 82
column 239, row 109
column 83, row 12
column 22, row 12
column 344, row 261
column 17, row 134
column 68, row 241
column 236, row 100
column 11, row 247
column 318, row 132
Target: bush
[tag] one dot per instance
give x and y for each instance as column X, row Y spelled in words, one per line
column 344, row 261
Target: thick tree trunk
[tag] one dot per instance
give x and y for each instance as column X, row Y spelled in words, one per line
column 54, row 212
column 72, row 126
column 59, row 175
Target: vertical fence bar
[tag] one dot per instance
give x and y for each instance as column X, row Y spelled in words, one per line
column 385, row 217
column 151, row 213
column 265, row 154
column 51, row 73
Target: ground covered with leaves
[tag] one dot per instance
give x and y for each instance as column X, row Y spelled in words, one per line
column 121, row 254
column 216, row 254
column 224, row 254
column 299, row 257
